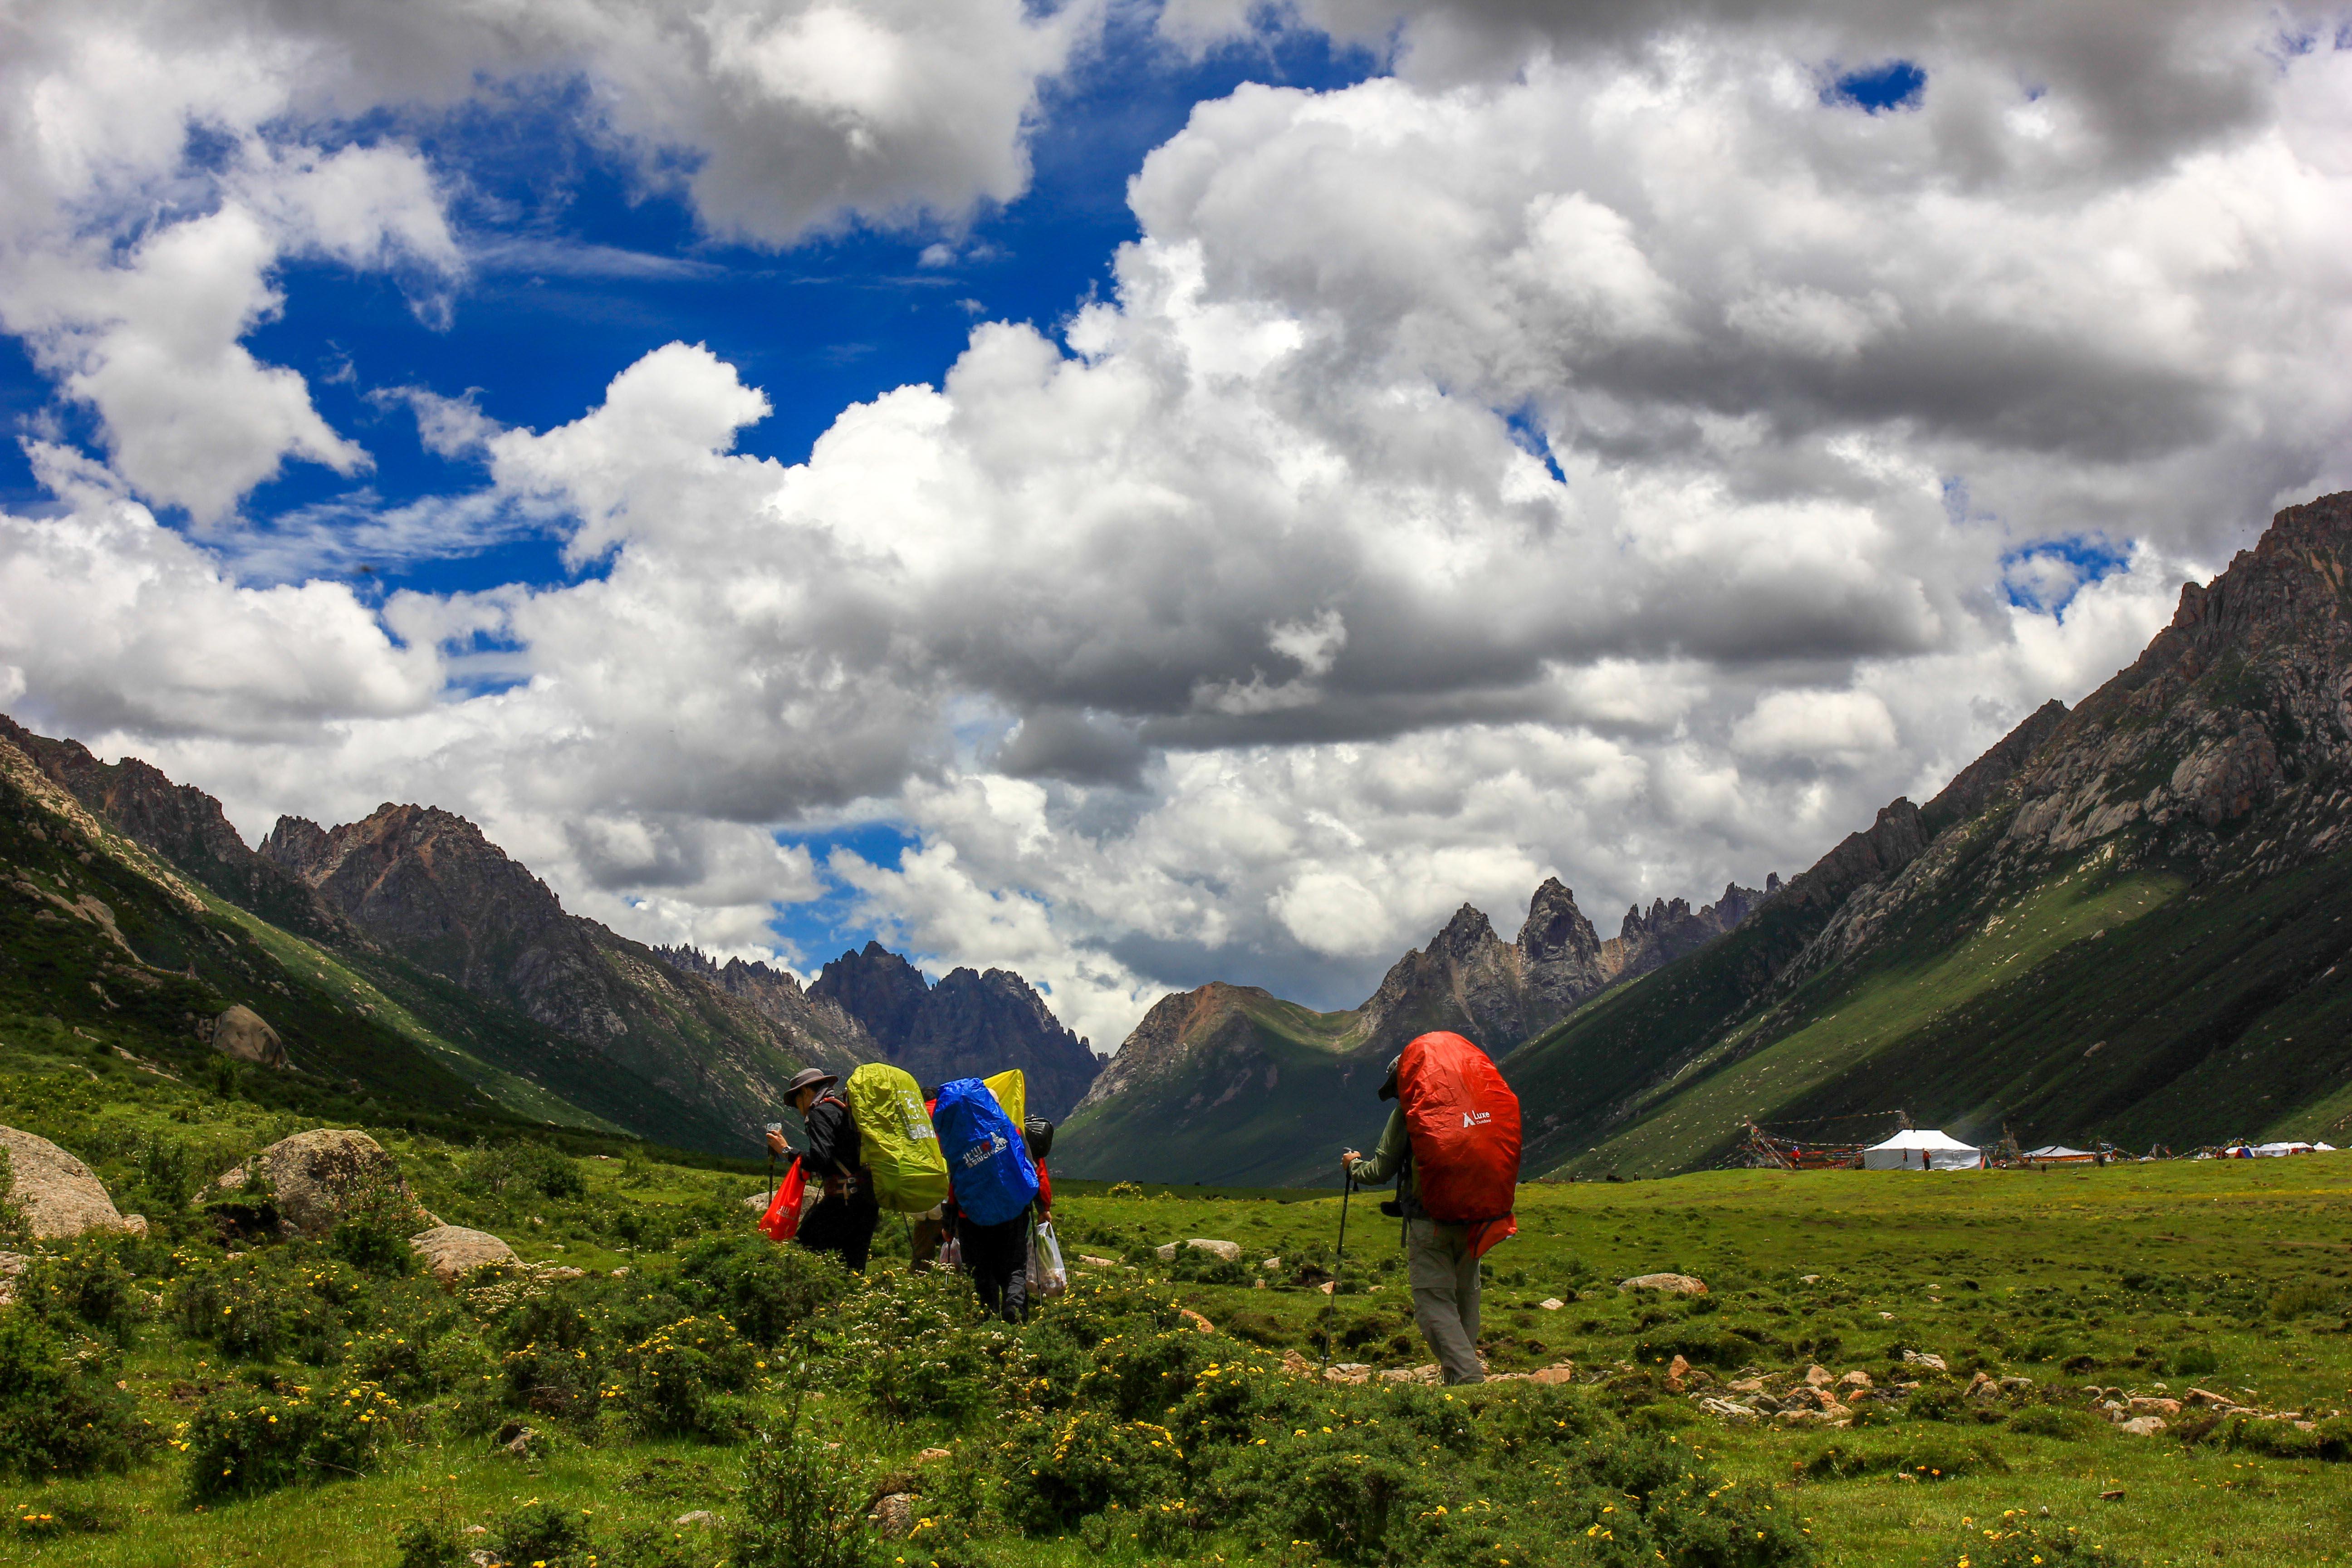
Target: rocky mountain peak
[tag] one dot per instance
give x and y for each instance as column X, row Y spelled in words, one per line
column 970, row 1025
column 1556, row 931
column 180, row 822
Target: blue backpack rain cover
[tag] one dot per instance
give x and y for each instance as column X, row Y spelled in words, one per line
column 988, row 1163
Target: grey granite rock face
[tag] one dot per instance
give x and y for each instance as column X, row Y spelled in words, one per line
column 245, row 1034
column 970, row 1025
column 315, row 1178
column 60, row 1197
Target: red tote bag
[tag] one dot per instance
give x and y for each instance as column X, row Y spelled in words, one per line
column 782, row 1220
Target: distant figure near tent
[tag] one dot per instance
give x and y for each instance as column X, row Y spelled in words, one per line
column 1922, row 1149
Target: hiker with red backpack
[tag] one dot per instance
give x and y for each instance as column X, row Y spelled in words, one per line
column 1453, row 1146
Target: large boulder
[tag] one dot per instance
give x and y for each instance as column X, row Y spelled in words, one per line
column 59, row 1193
column 1672, row 1284
column 315, row 1178
column 452, row 1251
column 1230, row 1251
column 244, row 1034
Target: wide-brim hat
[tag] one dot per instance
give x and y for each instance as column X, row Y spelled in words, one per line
column 810, row 1077
column 1388, row 1084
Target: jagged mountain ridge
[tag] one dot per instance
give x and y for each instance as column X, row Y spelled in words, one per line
column 968, row 1024
column 2128, row 921
column 1230, row 1083
column 425, row 883
column 100, row 931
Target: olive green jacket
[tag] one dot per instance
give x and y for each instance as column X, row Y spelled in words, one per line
column 1393, row 1157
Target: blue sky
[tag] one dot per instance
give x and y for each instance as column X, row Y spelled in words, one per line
column 1629, row 445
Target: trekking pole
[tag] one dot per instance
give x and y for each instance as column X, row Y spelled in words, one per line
column 1339, row 1268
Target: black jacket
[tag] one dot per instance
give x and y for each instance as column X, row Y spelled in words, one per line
column 833, row 1145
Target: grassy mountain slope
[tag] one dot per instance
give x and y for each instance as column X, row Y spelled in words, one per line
column 426, row 885
column 1238, row 1084
column 1232, row 1084
column 2135, row 930
column 98, row 933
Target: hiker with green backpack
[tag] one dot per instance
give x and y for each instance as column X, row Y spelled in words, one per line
column 843, row 1220
column 873, row 1144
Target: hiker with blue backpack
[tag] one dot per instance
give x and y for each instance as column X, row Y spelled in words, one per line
column 994, row 1182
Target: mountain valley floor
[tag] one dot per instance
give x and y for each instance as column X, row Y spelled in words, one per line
column 209, row 1392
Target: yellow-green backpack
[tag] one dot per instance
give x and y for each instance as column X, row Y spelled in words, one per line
column 895, row 1137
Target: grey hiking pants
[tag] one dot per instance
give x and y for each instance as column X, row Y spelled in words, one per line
column 1445, row 1295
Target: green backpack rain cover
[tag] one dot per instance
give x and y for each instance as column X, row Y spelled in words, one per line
column 894, row 1137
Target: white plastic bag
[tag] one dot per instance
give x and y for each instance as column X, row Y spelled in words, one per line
column 951, row 1254
column 1046, row 1275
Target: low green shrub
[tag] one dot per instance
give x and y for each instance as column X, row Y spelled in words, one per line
column 543, row 1534
column 798, row 1507
column 685, row 1380
column 2328, row 1439
column 89, row 1285
column 1927, row 1456
column 61, row 1412
column 764, row 1289
column 371, row 1235
column 2014, row 1544
column 430, row 1542
column 293, row 1300
column 2195, row 1361
column 2300, row 1297
column 1056, row 1470
column 2057, row 1421
column 918, row 1350
column 243, row 1441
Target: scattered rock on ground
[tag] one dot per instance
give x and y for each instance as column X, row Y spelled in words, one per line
column 1296, row 1364
column 1230, row 1251
column 927, row 1455
column 2140, row 1404
column 1856, row 1379
column 318, row 1176
column 1982, row 1386
column 60, row 1197
column 1677, row 1374
column 1819, row 1376
column 1922, row 1358
column 1430, row 1374
column 244, row 1034
column 1551, row 1303
column 452, row 1251
column 1350, row 1372
column 1198, row 1322
column 1097, row 1262
column 894, row 1516
column 701, row 1518
column 1672, row 1284
column 1271, row 1263
column 11, row 1265
column 2143, row 1425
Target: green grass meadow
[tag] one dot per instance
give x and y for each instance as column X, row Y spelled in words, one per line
column 2235, row 1277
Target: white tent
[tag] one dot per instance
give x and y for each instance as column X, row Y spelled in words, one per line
column 1922, row 1149
column 2058, row 1152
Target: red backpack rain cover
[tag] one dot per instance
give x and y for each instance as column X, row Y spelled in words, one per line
column 1463, row 1122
